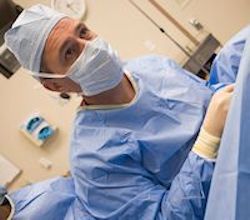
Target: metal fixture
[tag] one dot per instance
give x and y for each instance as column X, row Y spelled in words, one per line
column 8, row 13
column 204, row 52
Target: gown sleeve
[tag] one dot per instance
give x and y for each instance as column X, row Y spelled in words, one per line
column 188, row 193
column 226, row 64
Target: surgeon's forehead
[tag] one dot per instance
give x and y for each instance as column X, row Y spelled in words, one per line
column 63, row 28
column 64, row 24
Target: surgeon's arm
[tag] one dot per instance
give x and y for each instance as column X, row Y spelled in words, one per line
column 226, row 64
column 188, row 194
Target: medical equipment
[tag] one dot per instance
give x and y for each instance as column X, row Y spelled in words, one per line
column 73, row 8
column 37, row 129
column 8, row 13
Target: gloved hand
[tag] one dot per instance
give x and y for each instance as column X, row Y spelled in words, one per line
column 217, row 111
column 208, row 141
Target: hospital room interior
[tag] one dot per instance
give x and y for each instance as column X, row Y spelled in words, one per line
column 37, row 123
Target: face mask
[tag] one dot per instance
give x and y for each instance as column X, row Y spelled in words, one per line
column 97, row 69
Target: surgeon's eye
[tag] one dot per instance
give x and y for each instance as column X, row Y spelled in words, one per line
column 69, row 54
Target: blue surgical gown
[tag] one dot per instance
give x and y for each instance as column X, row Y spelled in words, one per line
column 55, row 199
column 226, row 64
column 230, row 185
column 123, row 160
column 127, row 163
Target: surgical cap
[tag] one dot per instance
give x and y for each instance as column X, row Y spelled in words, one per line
column 27, row 36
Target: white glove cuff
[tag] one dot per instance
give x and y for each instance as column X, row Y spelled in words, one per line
column 206, row 145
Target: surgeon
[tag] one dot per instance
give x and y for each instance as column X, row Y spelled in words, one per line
column 137, row 122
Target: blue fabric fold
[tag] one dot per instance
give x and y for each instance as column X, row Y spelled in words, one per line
column 230, row 190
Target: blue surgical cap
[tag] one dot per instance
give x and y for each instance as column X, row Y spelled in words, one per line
column 28, row 35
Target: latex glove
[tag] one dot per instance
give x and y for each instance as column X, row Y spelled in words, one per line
column 217, row 111
column 208, row 141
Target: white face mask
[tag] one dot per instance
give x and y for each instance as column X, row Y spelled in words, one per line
column 97, row 69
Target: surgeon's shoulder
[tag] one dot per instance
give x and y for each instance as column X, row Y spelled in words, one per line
column 150, row 64
column 239, row 37
column 85, row 126
column 235, row 46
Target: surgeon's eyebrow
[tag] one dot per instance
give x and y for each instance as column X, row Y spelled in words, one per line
column 79, row 27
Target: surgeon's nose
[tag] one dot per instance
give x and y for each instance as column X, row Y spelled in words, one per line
column 82, row 44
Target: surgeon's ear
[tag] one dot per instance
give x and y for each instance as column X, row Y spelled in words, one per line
column 52, row 85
